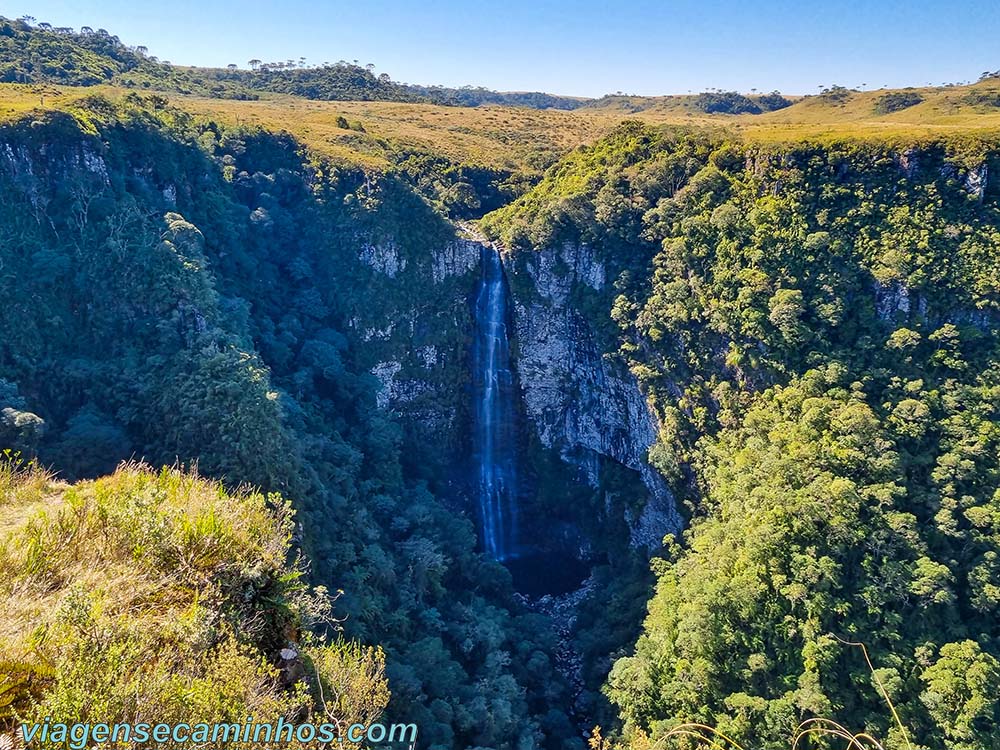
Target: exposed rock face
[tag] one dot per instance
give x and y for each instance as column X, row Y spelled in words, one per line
column 892, row 300
column 413, row 334
column 579, row 401
column 909, row 161
column 896, row 303
column 37, row 168
column 455, row 259
column 383, row 257
column 389, row 392
column 975, row 181
column 23, row 162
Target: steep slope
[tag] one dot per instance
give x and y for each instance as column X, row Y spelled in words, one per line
column 184, row 292
column 816, row 329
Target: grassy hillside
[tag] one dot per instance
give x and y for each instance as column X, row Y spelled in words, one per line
column 524, row 142
column 162, row 595
column 880, row 115
column 508, row 133
column 373, row 134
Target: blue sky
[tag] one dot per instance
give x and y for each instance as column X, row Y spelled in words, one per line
column 585, row 47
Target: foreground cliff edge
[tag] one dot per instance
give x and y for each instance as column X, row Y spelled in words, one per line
column 159, row 596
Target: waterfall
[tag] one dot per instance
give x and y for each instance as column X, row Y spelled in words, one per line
column 494, row 425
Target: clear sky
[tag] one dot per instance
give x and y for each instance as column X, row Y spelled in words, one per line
column 586, row 47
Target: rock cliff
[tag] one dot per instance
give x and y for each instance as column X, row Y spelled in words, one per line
column 579, row 400
column 413, row 333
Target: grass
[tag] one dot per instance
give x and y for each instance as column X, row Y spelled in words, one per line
column 140, row 543
column 161, row 594
column 529, row 140
column 505, row 137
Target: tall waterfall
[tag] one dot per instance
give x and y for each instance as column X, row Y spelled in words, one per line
column 494, row 427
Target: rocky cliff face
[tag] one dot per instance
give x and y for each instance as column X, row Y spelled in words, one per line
column 580, row 402
column 413, row 334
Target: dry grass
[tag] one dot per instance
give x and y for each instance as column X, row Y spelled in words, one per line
column 509, row 137
column 161, row 594
column 505, row 137
column 144, row 545
column 525, row 139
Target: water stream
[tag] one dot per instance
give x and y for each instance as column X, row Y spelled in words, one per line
column 495, row 431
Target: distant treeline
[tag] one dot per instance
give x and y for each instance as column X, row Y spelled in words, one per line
column 39, row 53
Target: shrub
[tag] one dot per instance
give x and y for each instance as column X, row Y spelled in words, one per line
column 896, row 101
column 728, row 103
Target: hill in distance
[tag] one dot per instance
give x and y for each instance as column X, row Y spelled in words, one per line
column 345, row 111
column 43, row 54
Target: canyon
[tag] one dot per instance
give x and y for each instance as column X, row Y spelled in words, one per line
column 681, row 397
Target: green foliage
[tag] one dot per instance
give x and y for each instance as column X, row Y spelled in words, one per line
column 462, row 191
column 773, row 101
column 816, row 327
column 163, row 593
column 896, row 101
column 809, row 531
column 20, row 430
column 41, row 54
column 580, row 197
column 475, row 96
column 32, row 55
column 21, row 684
column 727, row 102
column 985, row 98
column 733, row 103
column 962, row 685
column 196, row 306
column 836, row 94
column 339, row 82
column 351, row 684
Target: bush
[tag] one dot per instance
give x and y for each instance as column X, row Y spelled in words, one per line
column 773, row 101
column 987, row 98
column 896, row 101
column 162, row 594
column 728, row 103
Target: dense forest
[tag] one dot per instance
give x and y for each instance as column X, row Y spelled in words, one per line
column 195, row 310
column 817, row 328
column 236, row 418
